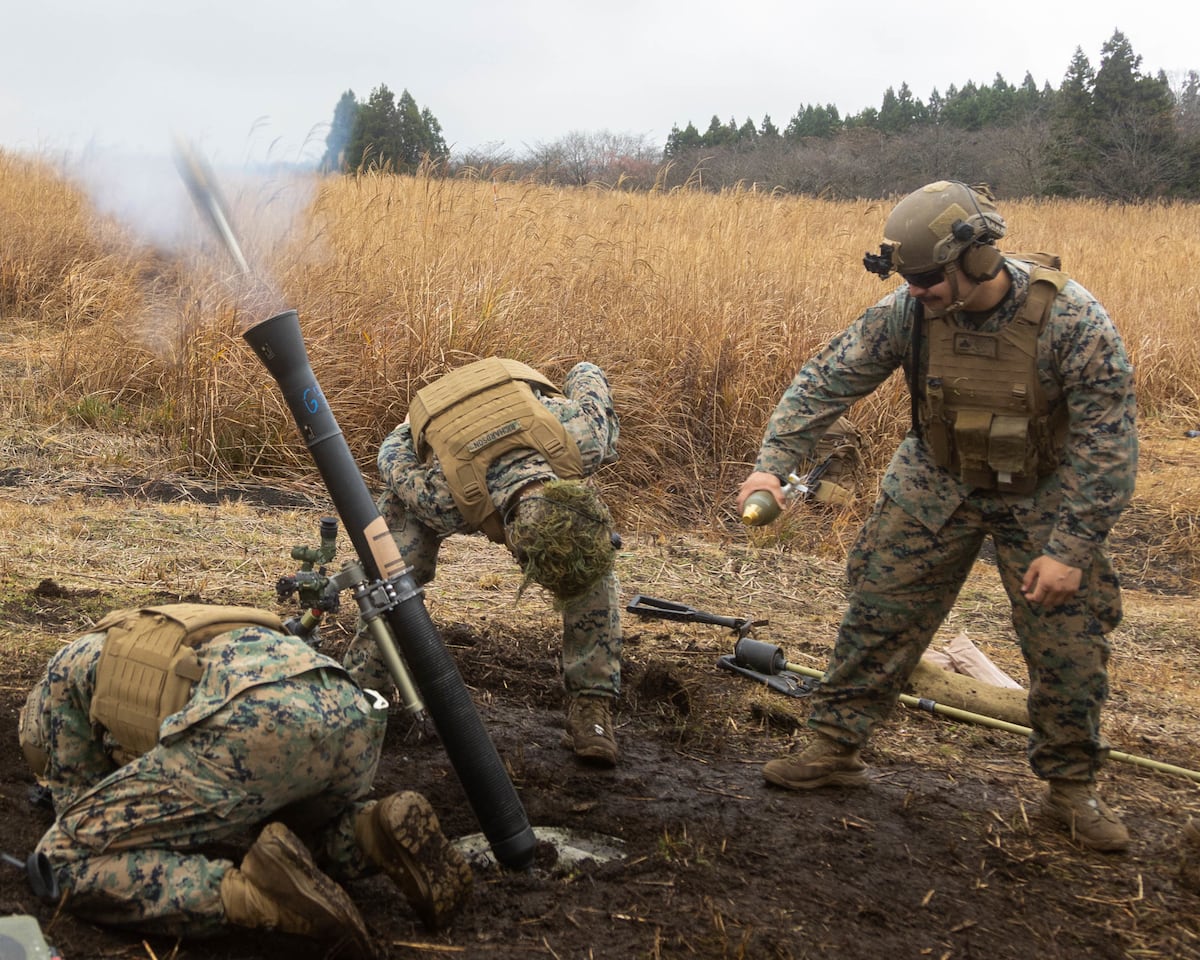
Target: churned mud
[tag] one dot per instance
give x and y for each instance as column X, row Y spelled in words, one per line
column 944, row 856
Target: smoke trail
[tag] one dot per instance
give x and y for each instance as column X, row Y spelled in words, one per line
column 145, row 193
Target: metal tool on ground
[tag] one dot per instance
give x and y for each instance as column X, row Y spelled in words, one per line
column 644, row 606
column 777, row 680
column 768, row 658
column 39, row 873
column 784, row 683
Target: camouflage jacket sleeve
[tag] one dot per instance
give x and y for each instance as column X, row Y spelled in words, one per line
column 589, row 416
column 1083, row 363
column 78, row 753
column 850, row 366
column 420, row 487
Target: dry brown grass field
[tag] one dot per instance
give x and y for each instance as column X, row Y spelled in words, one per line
column 147, row 456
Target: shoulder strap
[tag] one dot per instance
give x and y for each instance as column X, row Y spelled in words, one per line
column 914, row 388
column 1040, row 257
column 1045, row 283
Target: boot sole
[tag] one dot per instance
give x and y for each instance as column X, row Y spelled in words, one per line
column 280, row 865
column 840, row 778
column 1100, row 846
column 596, row 757
column 1104, row 846
column 433, row 876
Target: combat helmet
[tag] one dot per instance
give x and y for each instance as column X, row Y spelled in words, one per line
column 562, row 536
column 932, row 227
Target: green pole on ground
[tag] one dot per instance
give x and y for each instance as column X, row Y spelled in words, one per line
column 931, row 706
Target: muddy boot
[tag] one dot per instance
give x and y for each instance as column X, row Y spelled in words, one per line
column 278, row 887
column 401, row 835
column 590, row 730
column 823, row 763
column 1090, row 820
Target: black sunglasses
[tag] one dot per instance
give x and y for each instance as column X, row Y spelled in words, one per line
column 930, row 278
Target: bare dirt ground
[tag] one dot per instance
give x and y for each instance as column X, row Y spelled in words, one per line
column 945, row 856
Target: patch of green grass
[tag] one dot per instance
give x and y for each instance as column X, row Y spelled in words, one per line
column 95, row 411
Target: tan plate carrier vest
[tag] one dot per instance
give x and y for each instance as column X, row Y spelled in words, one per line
column 984, row 414
column 148, row 665
column 477, row 412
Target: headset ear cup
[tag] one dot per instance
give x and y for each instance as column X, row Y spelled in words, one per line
column 982, row 261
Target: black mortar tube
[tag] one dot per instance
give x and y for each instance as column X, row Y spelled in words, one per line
column 280, row 346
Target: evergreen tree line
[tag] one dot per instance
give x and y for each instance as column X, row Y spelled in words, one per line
column 1111, row 132
column 383, row 132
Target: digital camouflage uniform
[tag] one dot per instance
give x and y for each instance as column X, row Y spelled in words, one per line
column 273, row 730
column 926, row 528
column 421, row 512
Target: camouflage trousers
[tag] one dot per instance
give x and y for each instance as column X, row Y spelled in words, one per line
column 147, row 845
column 903, row 581
column 591, row 646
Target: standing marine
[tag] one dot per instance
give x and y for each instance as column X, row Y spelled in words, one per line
column 1023, row 429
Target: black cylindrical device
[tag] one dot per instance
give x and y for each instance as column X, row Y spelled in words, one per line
column 758, row 655
column 280, row 346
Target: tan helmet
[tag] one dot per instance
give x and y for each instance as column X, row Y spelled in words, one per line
column 932, row 227
column 562, row 536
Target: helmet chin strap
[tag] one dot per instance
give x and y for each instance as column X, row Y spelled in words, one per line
column 956, row 299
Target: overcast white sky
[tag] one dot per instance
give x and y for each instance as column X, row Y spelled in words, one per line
column 259, row 79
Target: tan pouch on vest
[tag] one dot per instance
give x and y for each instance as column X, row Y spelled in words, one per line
column 984, row 415
column 148, row 665
column 829, row 492
column 971, row 431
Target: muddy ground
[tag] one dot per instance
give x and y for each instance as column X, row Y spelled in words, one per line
column 944, row 856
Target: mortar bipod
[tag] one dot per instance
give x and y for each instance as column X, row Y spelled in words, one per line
column 644, row 606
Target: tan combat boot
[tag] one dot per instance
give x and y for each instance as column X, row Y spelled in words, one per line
column 823, row 763
column 1090, row 820
column 590, row 730
column 401, row 835
column 278, row 887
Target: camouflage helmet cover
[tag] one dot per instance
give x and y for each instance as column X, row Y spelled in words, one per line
column 932, row 226
column 562, row 537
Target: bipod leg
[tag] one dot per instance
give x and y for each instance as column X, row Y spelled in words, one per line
column 644, row 606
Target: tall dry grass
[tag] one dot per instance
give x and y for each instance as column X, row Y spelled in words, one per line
column 700, row 307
